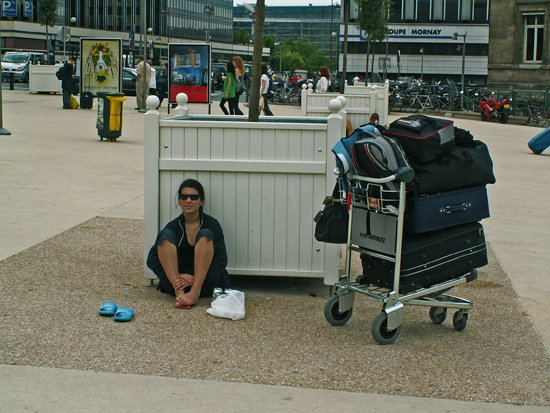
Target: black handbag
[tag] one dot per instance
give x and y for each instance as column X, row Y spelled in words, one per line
column 331, row 224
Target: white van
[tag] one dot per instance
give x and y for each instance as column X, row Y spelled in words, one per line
column 18, row 64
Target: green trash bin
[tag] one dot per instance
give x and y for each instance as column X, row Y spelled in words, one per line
column 109, row 115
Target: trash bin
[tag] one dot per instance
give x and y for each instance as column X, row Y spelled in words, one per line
column 109, row 115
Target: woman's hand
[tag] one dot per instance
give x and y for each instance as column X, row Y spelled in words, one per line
column 186, row 280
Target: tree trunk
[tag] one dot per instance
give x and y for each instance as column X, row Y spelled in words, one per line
column 367, row 61
column 345, row 46
column 254, row 108
column 372, row 62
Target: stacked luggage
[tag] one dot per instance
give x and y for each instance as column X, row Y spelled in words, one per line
column 443, row 238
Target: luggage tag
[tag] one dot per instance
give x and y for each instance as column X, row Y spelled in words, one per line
column 413, row 125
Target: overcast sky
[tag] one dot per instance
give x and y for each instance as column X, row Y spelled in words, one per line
column 288, row 2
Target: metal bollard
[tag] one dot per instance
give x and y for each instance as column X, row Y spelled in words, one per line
column 12, row 81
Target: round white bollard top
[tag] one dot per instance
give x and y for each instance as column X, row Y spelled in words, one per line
column 152, row 102
column 342, row 100
column 182, row 99
column 335, row 106
column 304, row 86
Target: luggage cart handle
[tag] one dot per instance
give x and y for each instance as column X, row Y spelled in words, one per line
column 405, row 174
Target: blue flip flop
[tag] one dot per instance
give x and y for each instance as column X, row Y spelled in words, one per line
column 108, row 309
column 124, row 314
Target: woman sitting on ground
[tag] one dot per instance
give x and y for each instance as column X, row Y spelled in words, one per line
column 189, row 256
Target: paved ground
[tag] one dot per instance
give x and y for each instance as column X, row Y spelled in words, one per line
column 56, row 174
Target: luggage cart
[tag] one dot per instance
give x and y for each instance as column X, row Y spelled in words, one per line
column 385, row 208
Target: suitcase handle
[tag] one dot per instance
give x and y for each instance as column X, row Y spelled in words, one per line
column 455, row 208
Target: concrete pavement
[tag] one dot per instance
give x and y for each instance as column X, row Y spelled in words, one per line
column 55, row 174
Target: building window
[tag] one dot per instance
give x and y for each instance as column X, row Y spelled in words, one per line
column 533, row 41
column 466, row 9
column 409, row 9
column 438, row 10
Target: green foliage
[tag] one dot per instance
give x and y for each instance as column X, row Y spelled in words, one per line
column 240, row 37
column 297, row 54
column 47, row 12
column 373, row 17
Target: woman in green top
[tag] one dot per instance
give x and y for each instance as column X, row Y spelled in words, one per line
column 229, row 89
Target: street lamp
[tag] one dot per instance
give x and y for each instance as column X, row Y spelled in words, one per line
column 332, row 7
column 150, row 33
column 165, row 13
column 334, row 36
column 250, row 43
column 209, row 11
column 422, row 65
column 455, row 37
column 280, row 57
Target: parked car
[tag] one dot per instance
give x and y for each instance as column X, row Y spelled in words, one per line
column 129, row 77
column 18, row 64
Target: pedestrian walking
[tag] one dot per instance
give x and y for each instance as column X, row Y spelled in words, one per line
column 240, row 82
column 264, row 90
column 229, row 89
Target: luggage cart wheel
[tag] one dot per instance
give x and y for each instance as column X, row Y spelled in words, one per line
column 438, row 314
column 460, row 319
column 332, row 313
column 379, row 331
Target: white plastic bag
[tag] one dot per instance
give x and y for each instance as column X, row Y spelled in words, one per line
column 228, row 305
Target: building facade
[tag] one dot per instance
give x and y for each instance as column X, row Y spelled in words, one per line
column 316, row 23
column 426, row 40
column 519, row 56
column 170, row 20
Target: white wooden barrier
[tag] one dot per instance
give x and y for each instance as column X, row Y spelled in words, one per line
column 42, row 79
column 264, row 181
column 358, row 106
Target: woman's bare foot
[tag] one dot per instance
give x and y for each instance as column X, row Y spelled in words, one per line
column 187, row 300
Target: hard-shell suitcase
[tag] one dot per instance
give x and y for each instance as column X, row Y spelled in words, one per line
column 540, row 142
column 86, row 100
column 445, row 209
column 431, row 258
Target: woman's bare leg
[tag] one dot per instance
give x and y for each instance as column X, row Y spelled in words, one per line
column 168, row 257
column 204, row 253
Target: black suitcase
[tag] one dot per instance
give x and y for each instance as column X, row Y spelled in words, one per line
column 431, row 258
column 86, row 100
column 445, row 209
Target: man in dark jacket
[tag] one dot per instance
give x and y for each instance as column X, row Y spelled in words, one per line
column 67, row 82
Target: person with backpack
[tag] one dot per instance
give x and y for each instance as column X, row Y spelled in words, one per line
column 66, row 74
column 324, row 82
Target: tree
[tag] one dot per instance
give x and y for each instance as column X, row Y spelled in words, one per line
column 47, row 15
column 254, row 109
column 240, row 37
column 373, row 18
column 298, row 54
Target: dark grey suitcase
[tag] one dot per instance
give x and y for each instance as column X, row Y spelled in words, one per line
column 445, row 209
column 86, row 100
column 430, row 258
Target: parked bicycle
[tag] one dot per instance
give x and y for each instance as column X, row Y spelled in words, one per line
column 525, row 114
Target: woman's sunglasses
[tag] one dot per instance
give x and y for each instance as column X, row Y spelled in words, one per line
column 193, row 197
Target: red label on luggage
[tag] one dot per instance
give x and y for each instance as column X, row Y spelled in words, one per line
column 374, row 203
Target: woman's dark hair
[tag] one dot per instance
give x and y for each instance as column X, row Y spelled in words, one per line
column 194, row 184
column 231, row 68
column 325, row 72
column 264, row 69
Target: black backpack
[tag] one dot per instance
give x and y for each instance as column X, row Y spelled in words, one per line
column 61, row 73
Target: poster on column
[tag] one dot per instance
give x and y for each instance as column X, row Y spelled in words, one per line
column 189, row 72
column 100, row 69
